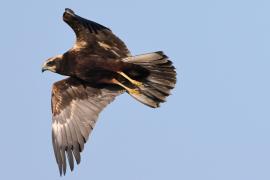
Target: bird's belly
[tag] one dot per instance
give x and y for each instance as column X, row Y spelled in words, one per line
column 97, row 70
column 97, row 75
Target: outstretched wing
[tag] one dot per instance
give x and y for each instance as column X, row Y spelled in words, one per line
column 89, row 33
column 75, row 108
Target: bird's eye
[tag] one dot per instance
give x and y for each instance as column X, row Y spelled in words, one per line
column 51, row 63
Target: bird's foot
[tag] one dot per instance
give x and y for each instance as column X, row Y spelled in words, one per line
column 134, row 82
column 133, row 91
column 129, row 90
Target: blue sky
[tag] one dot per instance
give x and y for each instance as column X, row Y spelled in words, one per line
column 214, row 126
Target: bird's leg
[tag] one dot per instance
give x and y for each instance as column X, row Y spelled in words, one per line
column 131, row 91
column 136, row 83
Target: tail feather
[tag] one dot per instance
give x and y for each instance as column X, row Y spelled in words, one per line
column 162, row 78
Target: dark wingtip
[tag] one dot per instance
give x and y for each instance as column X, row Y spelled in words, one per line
column 69, row 11
column 60, row 171
column 68, row 14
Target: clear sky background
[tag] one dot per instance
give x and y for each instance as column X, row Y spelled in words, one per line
column 215, row 126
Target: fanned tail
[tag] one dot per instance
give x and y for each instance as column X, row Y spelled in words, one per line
column 161, row 79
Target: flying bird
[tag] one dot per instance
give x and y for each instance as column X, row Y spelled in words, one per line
column 100, row 67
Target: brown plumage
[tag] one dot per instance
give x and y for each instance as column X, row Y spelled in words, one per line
column 99, row 67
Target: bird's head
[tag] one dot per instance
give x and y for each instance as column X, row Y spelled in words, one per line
column 52, row 64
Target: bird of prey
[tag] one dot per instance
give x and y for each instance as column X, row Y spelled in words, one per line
column 100, row 67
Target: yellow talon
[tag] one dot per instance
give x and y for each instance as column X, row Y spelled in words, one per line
column 136, row 83
column 133, row 91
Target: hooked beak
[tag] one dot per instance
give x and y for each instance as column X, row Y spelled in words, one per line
column 44, row 69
